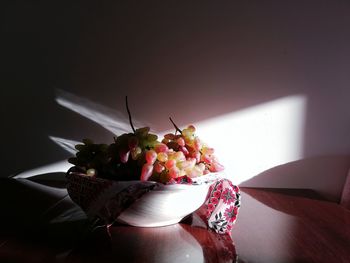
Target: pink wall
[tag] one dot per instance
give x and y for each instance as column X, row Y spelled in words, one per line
column 190, row 61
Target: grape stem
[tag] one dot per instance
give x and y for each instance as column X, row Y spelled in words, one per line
column 127, row 108
column 176, row 128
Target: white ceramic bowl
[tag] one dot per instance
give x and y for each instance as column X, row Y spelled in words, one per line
column 168, row 204
column 161, row 206
column 165, row 205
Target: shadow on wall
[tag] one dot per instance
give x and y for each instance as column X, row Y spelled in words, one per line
column 325, row 174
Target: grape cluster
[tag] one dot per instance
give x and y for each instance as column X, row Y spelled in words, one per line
column 179, row 156
column 120, row 160
column 90, row 157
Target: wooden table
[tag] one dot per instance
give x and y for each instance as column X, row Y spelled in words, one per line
column 41, row 224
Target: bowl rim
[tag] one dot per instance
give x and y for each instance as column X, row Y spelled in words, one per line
column 203, row 180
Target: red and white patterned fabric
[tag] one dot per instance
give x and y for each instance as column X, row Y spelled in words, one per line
column 104, row 199
column 223, row 203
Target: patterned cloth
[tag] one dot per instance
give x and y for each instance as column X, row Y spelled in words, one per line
column 223, row 203
column 104, row 199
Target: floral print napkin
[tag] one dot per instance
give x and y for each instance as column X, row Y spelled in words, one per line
column 223, row 203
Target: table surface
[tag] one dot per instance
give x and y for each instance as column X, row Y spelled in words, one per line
column 39, row 223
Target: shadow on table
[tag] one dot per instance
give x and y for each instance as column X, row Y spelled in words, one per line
column 38, row 221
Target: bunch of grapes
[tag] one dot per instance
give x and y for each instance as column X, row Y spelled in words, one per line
column 179, row 157
column 139, row 155
column 120, row 160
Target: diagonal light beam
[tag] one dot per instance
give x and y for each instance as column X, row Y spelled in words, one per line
column 68, row 145
column 112, row 120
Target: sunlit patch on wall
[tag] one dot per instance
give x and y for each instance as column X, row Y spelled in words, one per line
column 60, row 166
column 255, row 139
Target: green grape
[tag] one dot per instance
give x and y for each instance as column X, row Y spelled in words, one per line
column 155, row 177
column 91, row 172
column 151, row 137
column 141, row 132
column 164, row 177
column 135, row 153
column 162, row 157
column 80, row 147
